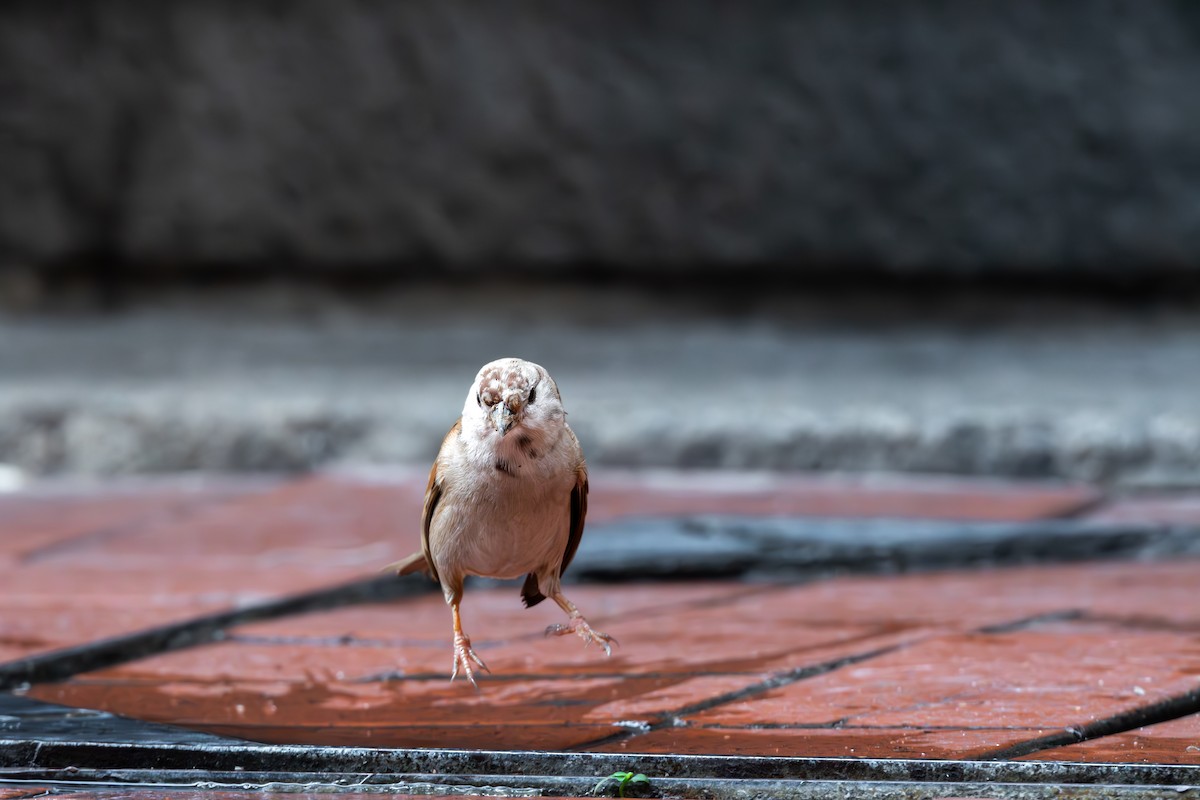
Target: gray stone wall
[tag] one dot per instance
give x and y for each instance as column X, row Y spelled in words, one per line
column 655, row 137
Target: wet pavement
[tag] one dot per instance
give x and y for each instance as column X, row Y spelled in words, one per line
column 834, row 635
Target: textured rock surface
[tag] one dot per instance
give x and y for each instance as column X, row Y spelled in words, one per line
column 679, row 134
column 288, row 380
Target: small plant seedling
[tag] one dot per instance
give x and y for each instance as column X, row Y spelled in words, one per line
column 622, row 779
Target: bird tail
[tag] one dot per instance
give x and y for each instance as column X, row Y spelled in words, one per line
column 414, row 563
column 530, row 594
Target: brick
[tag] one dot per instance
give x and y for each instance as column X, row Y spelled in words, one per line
column 278, row 682
column 668, row 637
column 617, row 494
column 1156, row 593
column 1166, row 509
column 132, row 583
column 29, row 627
column 469, row 736
column 1174, row 742
column 377, row 674
column 683, row 645
column 167, row 562
column 527, row 713
column 676, row 628
column 308, row 521
column 18, row 792
column 128, row 551
column 36, row 524
column 15, row 648
column 1146, row 595
column 1045, row 679
column 112, row 597
column 496, row 610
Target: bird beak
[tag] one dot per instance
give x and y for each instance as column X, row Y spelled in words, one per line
column 502, row 418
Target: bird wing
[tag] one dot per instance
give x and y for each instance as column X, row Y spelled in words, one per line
column 579, row 498
column 433, row 494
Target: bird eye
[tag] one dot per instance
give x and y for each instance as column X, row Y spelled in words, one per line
column 532, row 394
column 478, row 398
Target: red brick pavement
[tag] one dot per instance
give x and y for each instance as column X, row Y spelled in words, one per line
column 158, row 557
column 1174, row 742
column 78, row 566
column 18, row 792
column 673, row 493
column 910, row 666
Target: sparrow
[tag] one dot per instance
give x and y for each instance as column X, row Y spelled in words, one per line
column 507, row 496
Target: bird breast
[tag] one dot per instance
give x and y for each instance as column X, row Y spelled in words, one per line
column 500, row 524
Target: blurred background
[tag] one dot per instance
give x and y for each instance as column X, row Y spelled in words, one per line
column 888, row 237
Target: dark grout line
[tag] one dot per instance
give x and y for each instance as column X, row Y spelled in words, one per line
column 1067, row 615
column 68, row 662
column 1030, row 746
column 1083, row 509
column 62, row 664
column 783, row 679
column 841, row 725
column 1172, row 708
column 637, row 613
column 674, row 718
column 1143, row 623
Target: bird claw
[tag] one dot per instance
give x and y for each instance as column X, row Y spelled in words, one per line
column 463, row 656
column 580, row 627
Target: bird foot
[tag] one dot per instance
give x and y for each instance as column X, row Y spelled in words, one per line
column 579, row 626
column 463, row 656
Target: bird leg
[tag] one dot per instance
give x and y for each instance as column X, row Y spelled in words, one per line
column 579, row 626
column 463, row 654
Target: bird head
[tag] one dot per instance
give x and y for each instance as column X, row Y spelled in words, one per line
column 511, row 394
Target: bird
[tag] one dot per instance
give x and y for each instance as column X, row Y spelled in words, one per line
column 507, row 496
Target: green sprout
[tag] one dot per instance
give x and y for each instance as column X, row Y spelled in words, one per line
column 623, row 779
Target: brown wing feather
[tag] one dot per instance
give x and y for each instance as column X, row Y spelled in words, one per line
column 433, row 493
column 423, row 561
column 579, row 500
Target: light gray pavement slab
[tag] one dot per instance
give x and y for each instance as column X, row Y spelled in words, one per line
column 287, row 378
